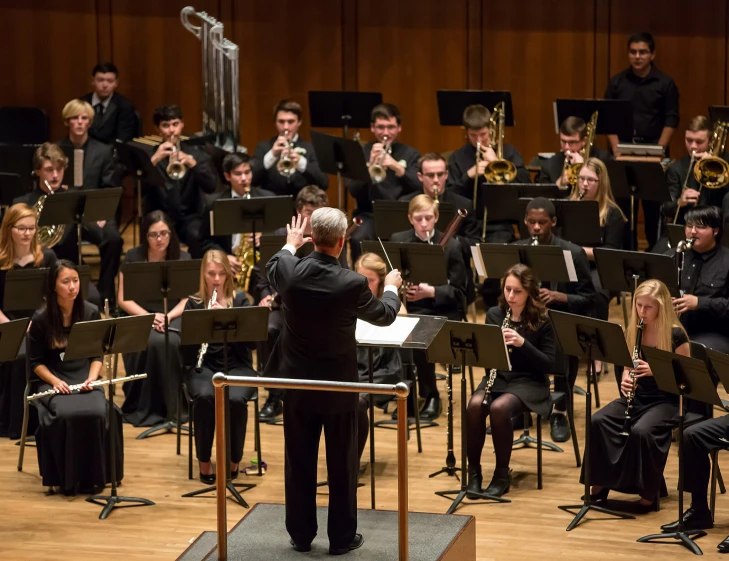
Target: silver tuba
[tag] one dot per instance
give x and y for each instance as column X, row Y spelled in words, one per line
column 48, row 236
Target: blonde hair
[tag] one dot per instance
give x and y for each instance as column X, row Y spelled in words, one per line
column 76, row 107
column 605, row 199
column 216, row 256
column 7, row 250
column 49, row 152
column 666, row 319
column 373, row 262
column 422, row 203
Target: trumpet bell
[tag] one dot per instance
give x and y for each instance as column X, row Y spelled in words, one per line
column 712, row 172
column 500, row 171
column 285, row 167
column 377, row 173
column 176, row 170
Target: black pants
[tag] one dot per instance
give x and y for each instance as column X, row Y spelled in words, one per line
column 698, row 441
column 651, row 214
column 275, row 325
column 426, row 375
column 366, row 231
column 302, row 431
column 566, row 383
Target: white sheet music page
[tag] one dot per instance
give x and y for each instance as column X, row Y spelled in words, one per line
column 571, row 272
column 394, row 334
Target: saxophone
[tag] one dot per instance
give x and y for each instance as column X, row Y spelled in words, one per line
column 204, row 346
column 247, row 256
column 631, row 394
column 506, row 324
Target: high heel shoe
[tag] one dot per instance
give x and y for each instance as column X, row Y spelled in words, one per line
column 207, row 478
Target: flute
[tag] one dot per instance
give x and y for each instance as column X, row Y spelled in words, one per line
column 204, row 346
column 97, row 383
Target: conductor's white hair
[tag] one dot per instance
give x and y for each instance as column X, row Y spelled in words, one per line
column 328, row 225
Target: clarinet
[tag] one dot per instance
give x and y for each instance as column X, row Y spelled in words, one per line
column 506, row 324
column 204, row 346
column 631, row 394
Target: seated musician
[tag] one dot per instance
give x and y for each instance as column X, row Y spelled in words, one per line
column 573, row 297
column 19, row 249
column 181, row 199
column 398, row 163
column 72, row 435
column 704, row 308
column 99, row 170
column 572, row 141
column 445, row 300
column 532, row 348
column 153, row 400
column 634, row 463
column 116, row 118
column 462, row 169
column 276, row 154
column 216, row 274
column 386, row 361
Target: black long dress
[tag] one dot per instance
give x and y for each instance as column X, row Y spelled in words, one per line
column 72, row 435
column 530, row 365
column 12, row 374
column 201, row 388
column 150, row 401
column 634, row 464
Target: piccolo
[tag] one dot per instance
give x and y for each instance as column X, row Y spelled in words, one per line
column 97, row 383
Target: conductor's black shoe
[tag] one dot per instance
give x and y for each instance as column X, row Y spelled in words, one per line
column 723, row 546
column 559, row 427
column 355, row 544
column 692, row 520
column 300, row 547
column 271, row 409
column 500, row 483
column 475, row 480
column 431, row 409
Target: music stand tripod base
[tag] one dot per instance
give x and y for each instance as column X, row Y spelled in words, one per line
column 166, row 427
column 232, row 488
column 109, row 502
column 686, row 538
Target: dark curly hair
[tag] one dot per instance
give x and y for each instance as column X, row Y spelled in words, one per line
column 534, row 312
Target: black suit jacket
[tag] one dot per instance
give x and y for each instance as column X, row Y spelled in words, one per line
column 100, row 169
column 470, row 228
column 118, row 122
column 552, row 168
column 272, row 180
column 321, row 304
column 464, row 159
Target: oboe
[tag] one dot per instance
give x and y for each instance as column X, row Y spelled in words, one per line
column 631, row 394
column 204, row 346
column 97, row 383
column 506, row 324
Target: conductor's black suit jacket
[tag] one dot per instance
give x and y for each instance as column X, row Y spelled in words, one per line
column 321, row 302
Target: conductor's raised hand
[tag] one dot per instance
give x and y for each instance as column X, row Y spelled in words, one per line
column 295, row 232
column 394, row 278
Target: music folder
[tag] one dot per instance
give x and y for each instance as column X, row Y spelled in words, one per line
column 548, row 262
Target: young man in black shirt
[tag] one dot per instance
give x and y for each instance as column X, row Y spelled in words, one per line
column 400, row 163
column 268, row 155
column 116, row 117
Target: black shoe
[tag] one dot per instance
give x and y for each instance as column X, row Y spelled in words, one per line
column 300, row 547
column 271, row 409
column 208, row 479
column 599, row 496
column 559, row 427
column 723, row 547
column 431, row 409
column 500, row 483
column 355, row 544
column 692, row 520
column 475, row 480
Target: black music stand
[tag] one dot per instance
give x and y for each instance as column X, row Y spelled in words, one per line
column 79, row 207
column 25, row 288
column 166, row 279
column 615, row 116
column 335, row 109
column 688, row 378
column 271, row 244
column 11, row 338
column 577, row 221
column 469, row 344
column 718, row 113
column 11, row 187
column 592, row 339
column 546, row 261
column 227, row 325
column 452, row 104
column 417, row 262
column 110, row 337
column 392, row 217
column 17, row 159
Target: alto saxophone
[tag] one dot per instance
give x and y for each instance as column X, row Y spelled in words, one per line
column 506, row 324
column 631, row 394
column 204, row 346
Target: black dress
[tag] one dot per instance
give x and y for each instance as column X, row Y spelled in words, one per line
column 634, row 464
column 200, row 387
column 12, row 374
column 530, row 365
column 153, row 400
column 72, row 435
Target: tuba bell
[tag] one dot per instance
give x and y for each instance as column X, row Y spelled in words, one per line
column 48, row 236
column 712, row 172
column 500, row 170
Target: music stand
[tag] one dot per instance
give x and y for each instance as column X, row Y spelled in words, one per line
column 469, row 344
column 392, row 217
column 334, row 109
column 546, row 261
column 11, row 338
column 417, row 262
column 341, row 157
column 452, row 104
column 11, row 187
column 109, row 337
column 592, row 339
column 25, row 288
column 719, row 113
column 18, row 159
column 79, row 207
column 227, row 325
column 615, row 116
column 166, row 279
column 686, row 377
column 577, row 221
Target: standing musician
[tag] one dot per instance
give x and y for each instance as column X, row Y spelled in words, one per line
column 321, row 302
column 116, row 118
column 72, row 437
column 572, row 141
column 217, row 275
column 634, row 463
column 148, row 402
column 181, row 199
column 532, row 346
column 573, row 297
column 444, row 300
column 99, row 170
column 286, row 163
column 19, row 249
column 397, row 166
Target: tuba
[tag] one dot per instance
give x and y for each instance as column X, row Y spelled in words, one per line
column 48, row 236
column 176, row 169
column 378, row 173
column 712, row 172
column 573, row 170
column 285, row 165
column 500, row 170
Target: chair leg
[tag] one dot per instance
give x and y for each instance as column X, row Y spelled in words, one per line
column 595, row 380
column 191, row 407
column 539, row 452
column 470, row 376
column 573, row 430
column 714, row 476
column 179, row 421
column 719, row 478
column 24, row 429
column 257, row 436
column 417, row 414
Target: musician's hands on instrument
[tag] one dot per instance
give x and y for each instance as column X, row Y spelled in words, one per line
column 376, row 152
column 295, row 231
column 164, row 150
column 550, row 296
column 574, row 157
column 159, row 322
column 643, row 369
column 266, row 301
column 394, row 278
column 686, row 303
column 234, row 264
column 85, row 387
column 626, row 385
column 512, row 337
column 480, row 169
column 186, row 160
column 279, row 146
column 489, row 155
column 689, row 197
column 61, row 387
column 420, row 291
column 295, row 157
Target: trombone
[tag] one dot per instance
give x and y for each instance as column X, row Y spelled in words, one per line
column 377, row 170
column 500, row 170
column 285, row 165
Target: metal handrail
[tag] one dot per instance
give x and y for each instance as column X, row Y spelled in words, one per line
column 399, row 390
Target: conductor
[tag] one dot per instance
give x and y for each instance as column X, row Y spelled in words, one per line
column 321, row 304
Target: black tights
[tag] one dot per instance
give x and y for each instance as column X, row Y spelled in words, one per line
column 502, row 408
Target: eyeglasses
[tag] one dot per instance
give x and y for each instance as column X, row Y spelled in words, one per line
column 24, row 229
column 434, row 174
column 693, row 226
column 588, row 180
column 163, row 235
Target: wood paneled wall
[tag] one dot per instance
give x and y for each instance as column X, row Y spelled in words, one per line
column 407, row 49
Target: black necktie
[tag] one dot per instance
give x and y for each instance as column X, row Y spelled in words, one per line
column 99, row 108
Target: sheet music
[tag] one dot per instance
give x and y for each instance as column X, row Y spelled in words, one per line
column 478, row 261
column 570, row 264
column 392, row 335
column 78, row 167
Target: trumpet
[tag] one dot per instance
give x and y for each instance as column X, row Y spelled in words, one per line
column 631, row 394
column 506, row 324
column 204, row 346
column 95, row 384
column 377, row 170
column 285, row 165
column 175, row 168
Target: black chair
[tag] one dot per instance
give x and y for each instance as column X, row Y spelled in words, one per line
column 715, row 477
column 31, row 385
column 23, row 125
